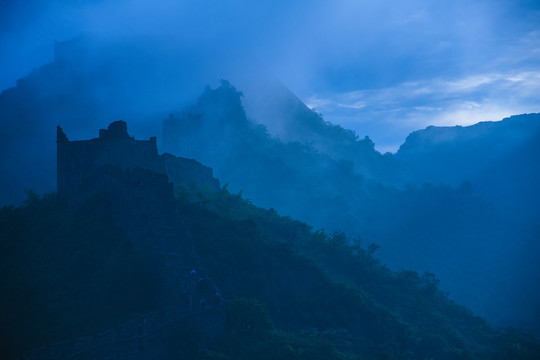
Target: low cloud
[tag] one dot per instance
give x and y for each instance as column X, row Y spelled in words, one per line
column 383, row 68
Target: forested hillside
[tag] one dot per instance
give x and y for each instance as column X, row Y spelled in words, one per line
column 294, row 293
column 455, row 231
column 461, row 202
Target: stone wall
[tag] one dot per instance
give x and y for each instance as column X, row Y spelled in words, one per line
column 186, row 171
column 79, row 161
column 131, row 181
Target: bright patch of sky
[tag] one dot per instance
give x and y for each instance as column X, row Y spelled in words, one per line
column 388, row 115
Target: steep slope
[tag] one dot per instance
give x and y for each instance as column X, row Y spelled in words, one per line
column 309, row 280
column 499, row 160
column 455, row 232
column 315, row 171
column 271, row 103
column 271, row 172
column 94, row 80
column 297, row 294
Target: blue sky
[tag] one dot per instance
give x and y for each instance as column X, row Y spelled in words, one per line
column 381, row 68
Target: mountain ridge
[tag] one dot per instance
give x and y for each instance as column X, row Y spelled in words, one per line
column 311, row 295
column 434, row 148
column 332, row 194
column 335, row 185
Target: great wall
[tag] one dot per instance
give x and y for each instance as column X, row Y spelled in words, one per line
column 137, row 183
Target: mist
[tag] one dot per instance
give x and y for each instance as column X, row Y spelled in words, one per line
column 409, row 128
column 351, row 61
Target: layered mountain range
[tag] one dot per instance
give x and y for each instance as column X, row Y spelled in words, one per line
column 461, row 202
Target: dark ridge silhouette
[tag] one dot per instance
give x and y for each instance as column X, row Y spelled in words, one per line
column 286, row 117
column 459, row 232
column 451, row 155
column 93, row 80
column 474, row 225
column 118, row 274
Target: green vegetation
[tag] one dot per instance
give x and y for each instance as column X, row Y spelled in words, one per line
column 477, row 244
column 326, row 290
column 65, row 274
column 251, row 334
column 294, row 293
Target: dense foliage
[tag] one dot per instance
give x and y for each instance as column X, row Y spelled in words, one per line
column 457, row 227
column 65, row 274
column 311, row 292
column 295, row 293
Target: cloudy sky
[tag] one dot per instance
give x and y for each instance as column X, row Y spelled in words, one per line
column 381, row 68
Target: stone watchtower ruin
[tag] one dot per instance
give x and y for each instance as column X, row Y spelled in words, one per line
column 88, row 166
column 136, row 184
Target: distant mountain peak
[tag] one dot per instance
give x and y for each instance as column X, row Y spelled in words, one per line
column 452, row 154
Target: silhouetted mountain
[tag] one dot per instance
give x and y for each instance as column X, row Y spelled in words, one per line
column 271, row 172
column 286, row 117
column 296, row 294
column 478, row 236
column 93, row 80
column 451, row 155
column 456, row 232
